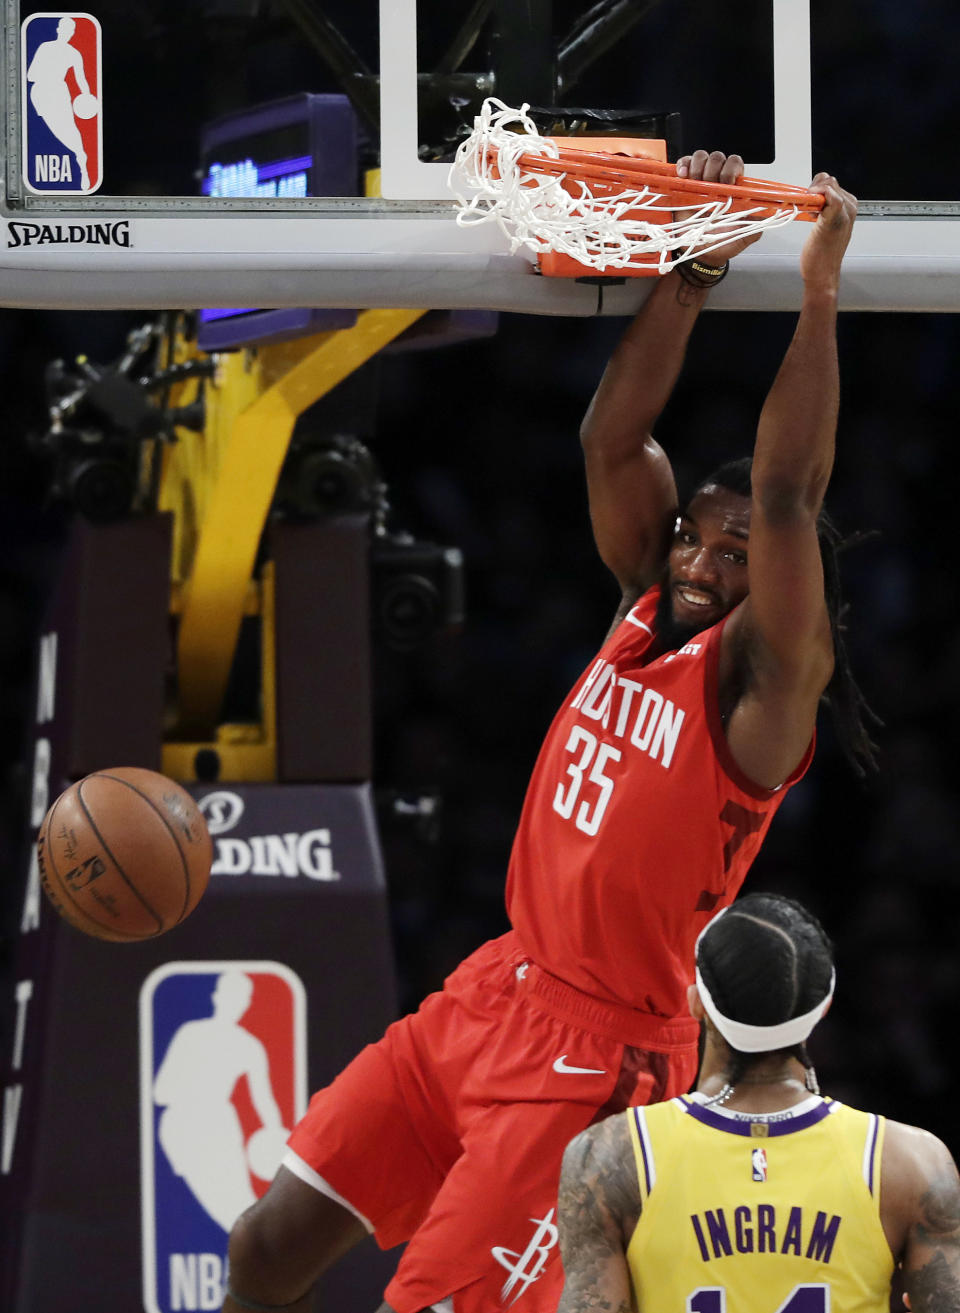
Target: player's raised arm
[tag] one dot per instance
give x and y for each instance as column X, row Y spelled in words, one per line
column 597, row 1211
column 633, row 497
column 781, row 639
column 920, row 1209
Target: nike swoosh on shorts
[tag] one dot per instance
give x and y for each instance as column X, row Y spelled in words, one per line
column 560, row 1066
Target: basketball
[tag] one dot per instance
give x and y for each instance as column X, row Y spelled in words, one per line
column 85, row 106
column 124, row 854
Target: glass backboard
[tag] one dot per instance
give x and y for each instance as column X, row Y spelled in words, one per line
column 351, row 208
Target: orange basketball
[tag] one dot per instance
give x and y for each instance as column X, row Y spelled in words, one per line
column 124, row 854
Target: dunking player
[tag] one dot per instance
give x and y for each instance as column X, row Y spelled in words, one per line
column 754, row 1192
column 650, row 798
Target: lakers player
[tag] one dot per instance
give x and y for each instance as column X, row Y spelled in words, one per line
column 755, row 1193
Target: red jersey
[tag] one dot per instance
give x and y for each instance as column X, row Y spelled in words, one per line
column 638, row 824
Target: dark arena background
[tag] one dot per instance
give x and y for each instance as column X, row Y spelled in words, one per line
column 475, row 457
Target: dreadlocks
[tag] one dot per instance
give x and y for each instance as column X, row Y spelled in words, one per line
column 851, row 713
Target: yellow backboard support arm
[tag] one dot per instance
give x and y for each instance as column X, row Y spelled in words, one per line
column 252, row 406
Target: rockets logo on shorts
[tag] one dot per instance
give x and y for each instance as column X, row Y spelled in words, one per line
column 527, row 1267
column 60, row 79
column 222, row 1083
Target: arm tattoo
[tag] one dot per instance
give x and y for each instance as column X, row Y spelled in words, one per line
column 940, row 1207
column 935, row 1287
column 932, row 1266
column 599, row 1205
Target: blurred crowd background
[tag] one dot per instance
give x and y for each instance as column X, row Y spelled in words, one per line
column 479, row 447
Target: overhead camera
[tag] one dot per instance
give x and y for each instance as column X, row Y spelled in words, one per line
column 416, row 587
column 98, row 417
column 100, row 484
column 333, row 474
column 417, row 590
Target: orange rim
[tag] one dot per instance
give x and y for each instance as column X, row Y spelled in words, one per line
column 628, row 171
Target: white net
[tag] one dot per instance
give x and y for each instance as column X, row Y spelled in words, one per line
column 560, row 213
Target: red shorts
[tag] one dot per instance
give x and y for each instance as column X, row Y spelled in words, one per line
column 448, row 1133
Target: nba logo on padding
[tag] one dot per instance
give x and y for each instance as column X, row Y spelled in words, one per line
column 222, row 1083
column 60, row 78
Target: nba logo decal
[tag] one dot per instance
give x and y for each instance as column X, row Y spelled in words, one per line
column 222, row 1083
column 758, row 1164
column 60, row 77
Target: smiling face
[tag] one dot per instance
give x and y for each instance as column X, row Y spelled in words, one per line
column 706, row 574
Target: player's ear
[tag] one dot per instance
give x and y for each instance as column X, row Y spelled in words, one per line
column 694, row 1003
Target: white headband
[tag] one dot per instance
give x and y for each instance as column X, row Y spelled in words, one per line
column 760, row 1039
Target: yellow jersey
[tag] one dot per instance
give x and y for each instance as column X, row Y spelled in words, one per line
column 754, row 1213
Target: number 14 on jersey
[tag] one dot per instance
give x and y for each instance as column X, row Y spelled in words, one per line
column 814, row 1298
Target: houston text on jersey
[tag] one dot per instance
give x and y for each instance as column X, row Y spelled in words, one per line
column 654, row 721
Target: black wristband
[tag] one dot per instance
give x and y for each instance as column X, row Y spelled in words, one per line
column 701, row 275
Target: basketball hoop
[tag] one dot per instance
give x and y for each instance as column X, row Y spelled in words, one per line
column 616, row 210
